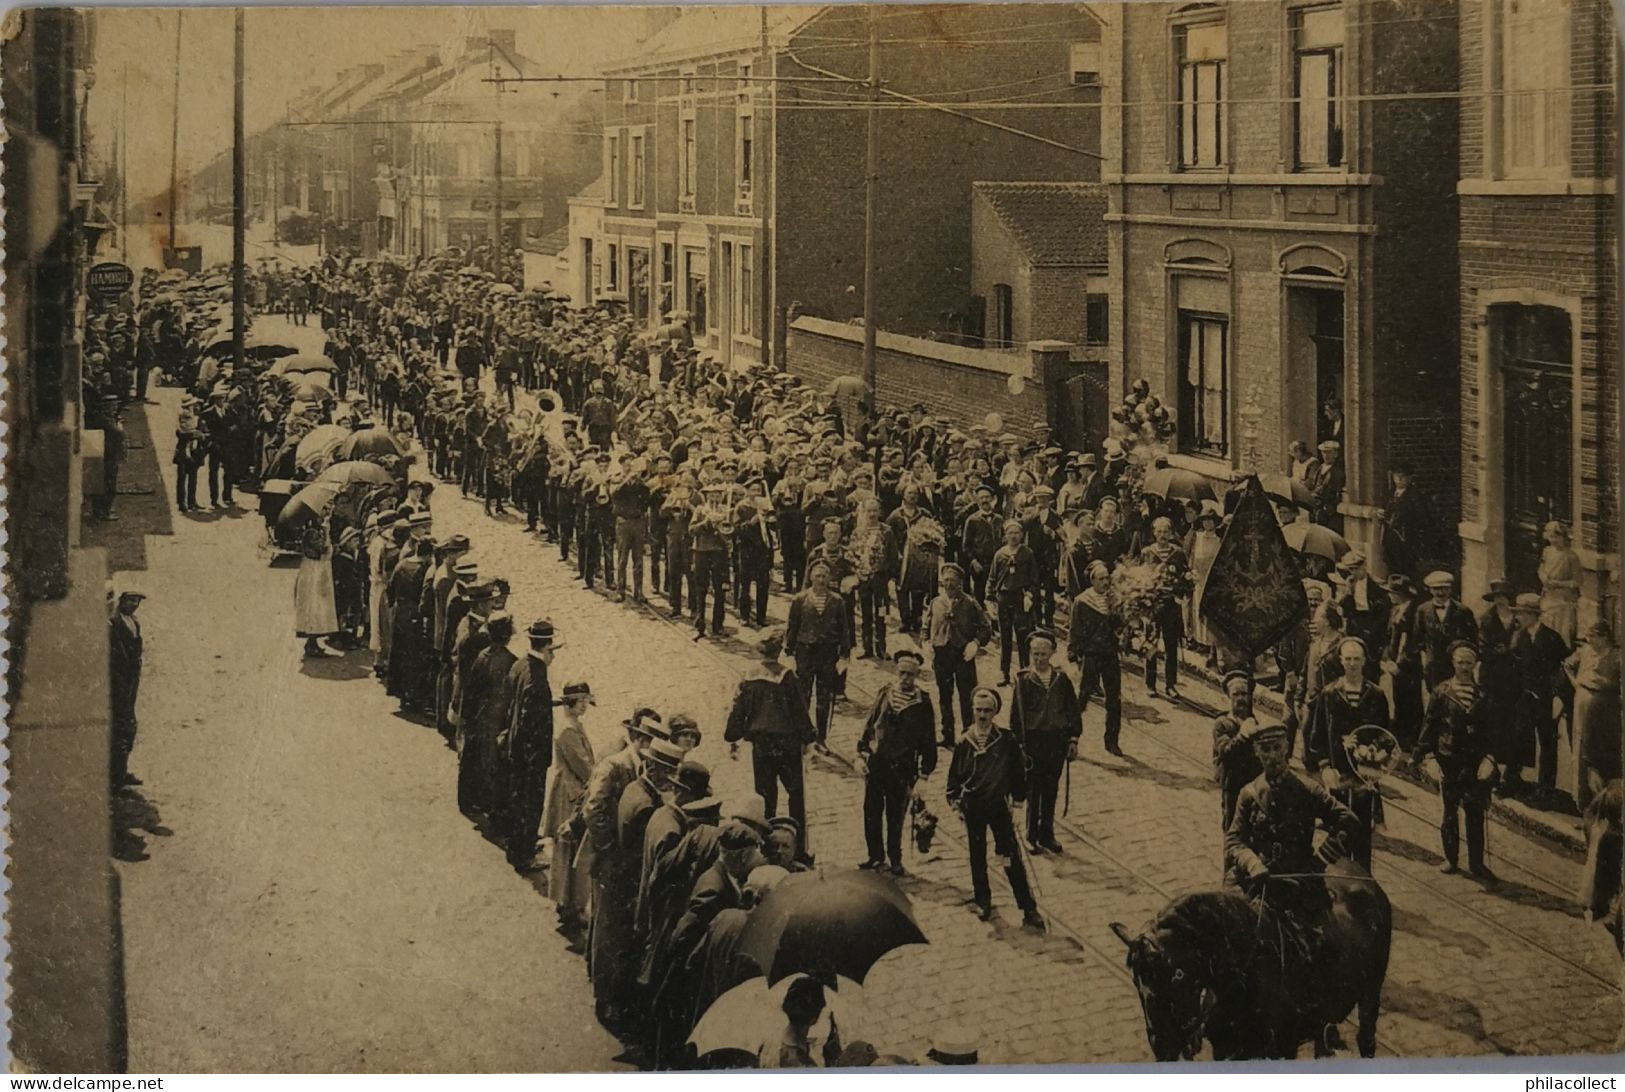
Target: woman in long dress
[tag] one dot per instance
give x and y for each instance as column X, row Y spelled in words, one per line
column 379, row 530
column 568, row 882
column 1204, row 547
column 315, row 612
column 1594, row 672
column 1560, row 583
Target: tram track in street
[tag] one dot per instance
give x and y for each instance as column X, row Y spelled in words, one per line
column 1061, row 921
column 1392, row 862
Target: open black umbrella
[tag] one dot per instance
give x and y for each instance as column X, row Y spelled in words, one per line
column 842, row 922
column 369, row 441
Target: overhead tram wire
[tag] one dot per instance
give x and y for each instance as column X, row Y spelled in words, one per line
column 954, row 111
column 1236, row 33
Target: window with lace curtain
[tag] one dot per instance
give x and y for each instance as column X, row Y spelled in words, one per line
column 1534, row 77
column 1204, row 384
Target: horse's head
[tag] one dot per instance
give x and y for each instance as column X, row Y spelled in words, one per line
column 1174, row 998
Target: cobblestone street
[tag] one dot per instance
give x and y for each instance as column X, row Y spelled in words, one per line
column 302, row 835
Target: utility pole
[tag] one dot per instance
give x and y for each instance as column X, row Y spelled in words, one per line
column 175, row 134
column 321, row 201
column 496, row 210
column 124, row 166
column 239, row 204
column 871, row 198
column 276, row 199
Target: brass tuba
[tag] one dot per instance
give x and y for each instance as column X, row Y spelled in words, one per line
column 550, row 412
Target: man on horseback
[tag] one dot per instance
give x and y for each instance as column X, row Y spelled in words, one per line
column 1272, row 856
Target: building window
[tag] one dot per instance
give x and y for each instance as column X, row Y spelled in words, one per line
column 629, row 91
column 1534, row 74
column 1201, row 113
column 668, row 274
column 635, row 184
column 689, row 168
column 745, row 320
column 1204, row 384
column 1096, row 319
column 1317, row 77
column 744, row 80
column 612, row 168
column 637, row 282
column 695, row 293
column 612, row 268
column 746, row 152
column 1084, row 63
column 1001, row 317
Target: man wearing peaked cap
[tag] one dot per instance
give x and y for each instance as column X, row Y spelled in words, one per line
column 1439, row 621
column 1046, row 716
column 898, row 746
column 770, row 713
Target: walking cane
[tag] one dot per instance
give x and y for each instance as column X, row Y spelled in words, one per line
column 1027, row 862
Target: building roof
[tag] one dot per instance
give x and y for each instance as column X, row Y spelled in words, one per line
column 1055, row 223
column 712, row 31
column 594, row 190
column 554, row 242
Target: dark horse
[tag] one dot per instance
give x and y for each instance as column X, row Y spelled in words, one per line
column 1209, row 967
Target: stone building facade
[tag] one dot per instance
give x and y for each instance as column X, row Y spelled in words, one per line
column 1539, row 291
column 1282, row 220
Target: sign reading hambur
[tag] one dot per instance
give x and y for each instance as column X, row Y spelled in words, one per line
column 109, row 279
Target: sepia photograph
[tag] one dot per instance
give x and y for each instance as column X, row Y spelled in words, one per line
column 606, row 539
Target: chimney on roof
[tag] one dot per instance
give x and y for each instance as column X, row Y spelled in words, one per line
column 504, row 40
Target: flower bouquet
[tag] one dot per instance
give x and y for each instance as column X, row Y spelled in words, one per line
column 922, row 554
column 1135, row 589
column 1373, row 752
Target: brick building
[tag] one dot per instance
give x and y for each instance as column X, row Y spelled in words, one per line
column 1539, row 291
column 65, row 959
column 1038, row 263
column 1283, row 232
column 740, row 199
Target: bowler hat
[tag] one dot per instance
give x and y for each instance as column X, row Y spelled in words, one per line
column 1499, row 587
column 542, row 634
column 575, row 690
column 693, row 778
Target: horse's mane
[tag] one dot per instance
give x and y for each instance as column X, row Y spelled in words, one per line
column 1218, row 926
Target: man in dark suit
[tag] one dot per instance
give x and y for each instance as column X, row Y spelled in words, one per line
column 1365, row 607
column 124, row 651
column 527, row 744
column 1406, row 525
column 1440, row 621
column 1327, row 486
column 1539, row 652
column 486, row 699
